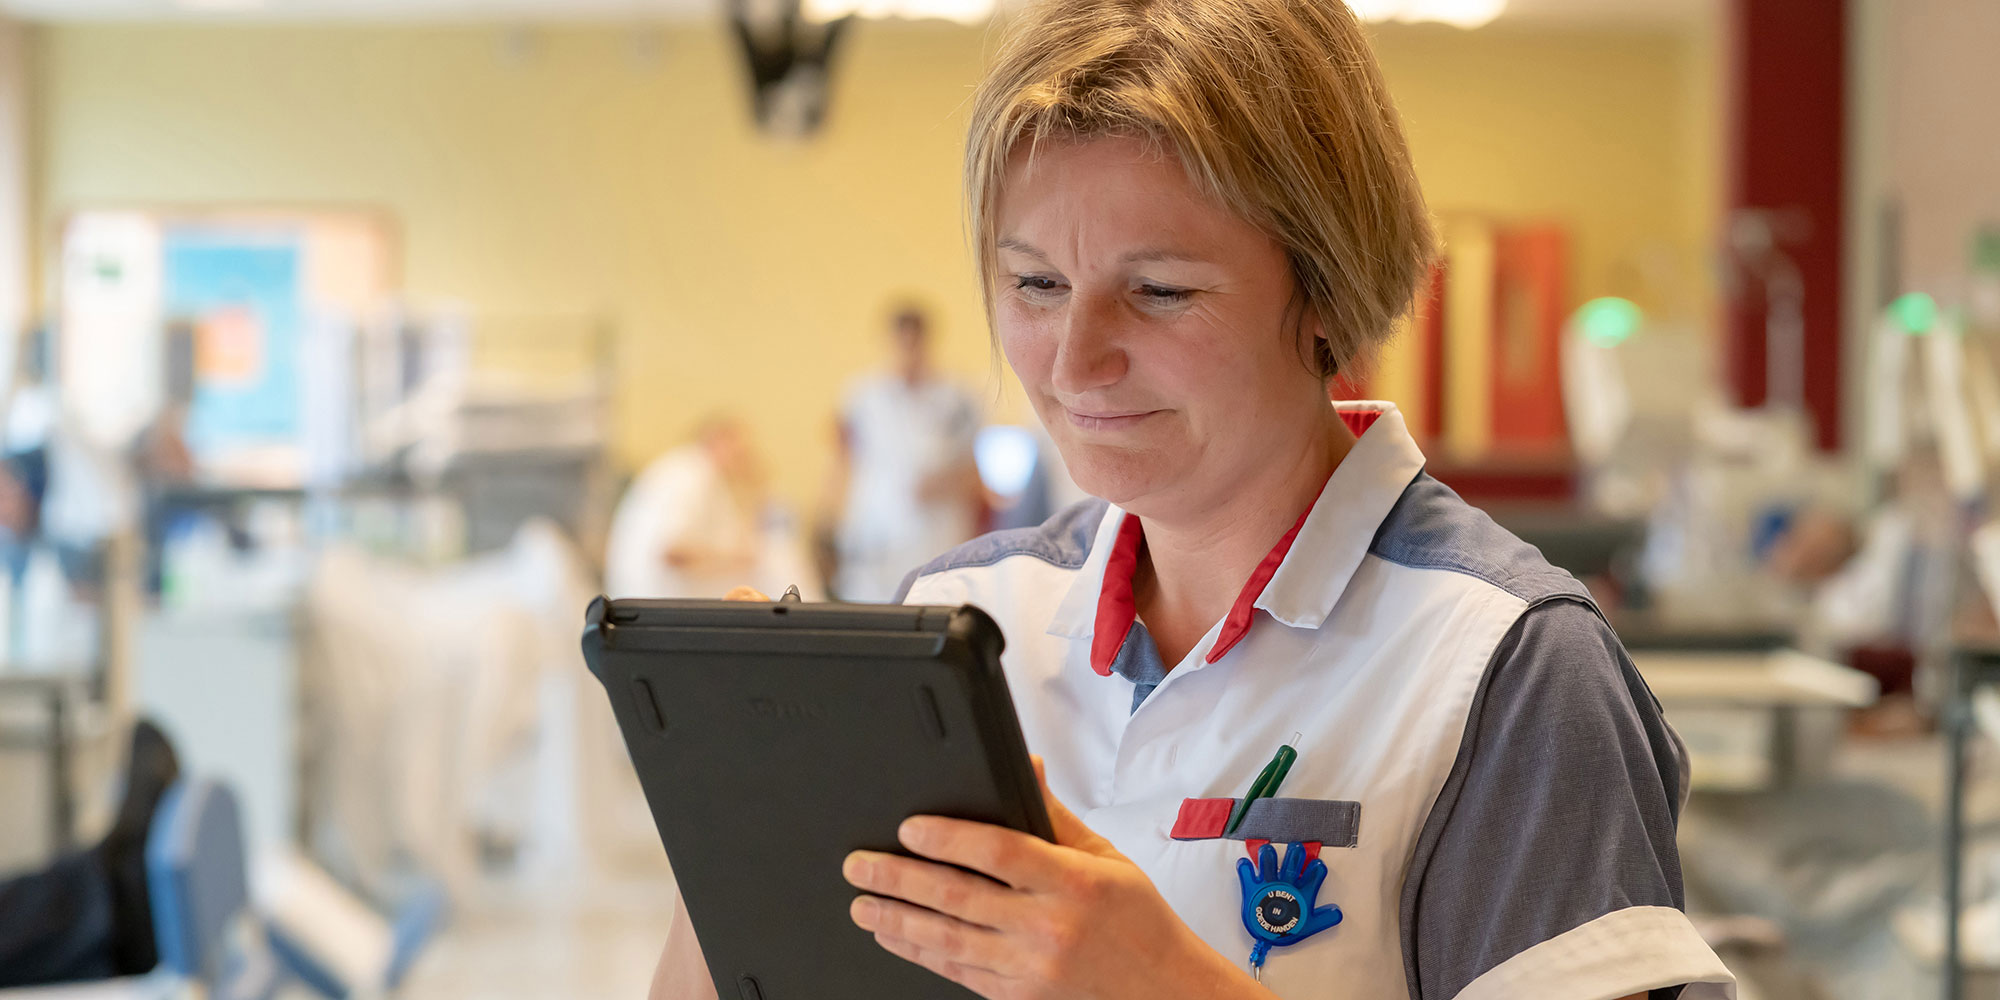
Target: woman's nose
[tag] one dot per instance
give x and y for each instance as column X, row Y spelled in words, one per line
column 1090, row 353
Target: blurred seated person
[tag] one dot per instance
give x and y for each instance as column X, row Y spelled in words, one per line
column 698, row 522
column 909, row 486
column 1882, row 588
column 88, row 915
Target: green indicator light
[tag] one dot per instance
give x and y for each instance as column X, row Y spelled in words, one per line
column 1608, row 322
column 1915, row 313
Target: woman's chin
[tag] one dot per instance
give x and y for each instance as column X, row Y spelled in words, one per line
column 1120, row 479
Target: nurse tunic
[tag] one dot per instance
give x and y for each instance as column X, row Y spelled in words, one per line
column 1488, row 781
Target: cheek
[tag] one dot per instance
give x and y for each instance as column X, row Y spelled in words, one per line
column 1029, row 350
column 1233, row 370
column 1204, row 364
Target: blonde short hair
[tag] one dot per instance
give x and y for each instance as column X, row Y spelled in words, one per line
column 1274, row 107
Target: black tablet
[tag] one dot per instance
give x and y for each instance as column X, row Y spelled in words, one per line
column 773, row 738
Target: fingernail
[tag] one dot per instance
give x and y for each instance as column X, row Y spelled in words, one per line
column 864, row 910
column 913, row 833
column 856, row 869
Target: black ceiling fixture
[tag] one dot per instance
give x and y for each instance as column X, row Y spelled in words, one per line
column 789, row 57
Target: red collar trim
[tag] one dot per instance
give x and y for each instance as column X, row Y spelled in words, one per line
column 1358, row 421
column 1116, row 609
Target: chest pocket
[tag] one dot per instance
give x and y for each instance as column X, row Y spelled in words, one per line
column 1327, row 822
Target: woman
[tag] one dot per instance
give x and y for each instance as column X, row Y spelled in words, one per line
column 1190, row 214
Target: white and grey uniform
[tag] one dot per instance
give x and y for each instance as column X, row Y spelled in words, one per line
column 1490, row 783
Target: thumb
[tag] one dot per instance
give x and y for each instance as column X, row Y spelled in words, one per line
column 745, row 594
column 1070, row 831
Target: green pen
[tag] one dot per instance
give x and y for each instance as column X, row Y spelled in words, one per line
column 1266, row 785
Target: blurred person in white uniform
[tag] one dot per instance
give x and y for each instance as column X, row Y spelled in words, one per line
column 911, row 487
column 698, row 521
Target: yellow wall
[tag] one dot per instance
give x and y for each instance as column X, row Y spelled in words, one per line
column 1610, row 132
column 581, row 175
column 1613, row 134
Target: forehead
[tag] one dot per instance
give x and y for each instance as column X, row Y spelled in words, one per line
column 1114, row 188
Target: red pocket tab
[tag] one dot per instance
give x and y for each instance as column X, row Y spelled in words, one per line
column 1202, row 819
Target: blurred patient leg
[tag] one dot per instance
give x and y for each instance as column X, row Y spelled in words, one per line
column 56, row 925
column 87, row 915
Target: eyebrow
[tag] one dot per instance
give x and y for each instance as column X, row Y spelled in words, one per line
column 1147, row 256
column 1021, row 247
column 1157, row 254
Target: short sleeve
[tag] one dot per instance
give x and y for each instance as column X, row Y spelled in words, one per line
column 1547, row 867
column 903, row 589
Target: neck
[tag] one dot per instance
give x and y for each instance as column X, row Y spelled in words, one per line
column 1194, row 567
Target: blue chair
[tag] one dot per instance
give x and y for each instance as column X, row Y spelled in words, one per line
column 202, row 919
column 208, row 934
column 200, row 888
column 208, row 937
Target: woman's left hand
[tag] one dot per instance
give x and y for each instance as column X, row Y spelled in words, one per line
column 1072, row 919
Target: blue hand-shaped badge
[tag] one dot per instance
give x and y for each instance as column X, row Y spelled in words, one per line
column 1279, row 901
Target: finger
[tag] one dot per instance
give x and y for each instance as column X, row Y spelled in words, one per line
column 1070, row 831
column 1294, row 863
column 744, row 594
column 1267, row 864
column 947, row 937
column 1321, row 919
column 1314, row 876
column 980, row 981
column 972, row 898
column 1020, row 860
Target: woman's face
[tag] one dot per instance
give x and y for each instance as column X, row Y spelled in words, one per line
column 1148, row 326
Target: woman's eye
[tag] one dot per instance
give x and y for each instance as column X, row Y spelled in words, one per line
column 1162, row 293
column 1035, row 282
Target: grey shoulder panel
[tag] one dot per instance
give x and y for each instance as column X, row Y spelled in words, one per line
column 1063, row 541
column 1431, row 527
column 1560, row 808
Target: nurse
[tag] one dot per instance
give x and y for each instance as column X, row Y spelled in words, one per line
column 911, row 489
column 1312, row 727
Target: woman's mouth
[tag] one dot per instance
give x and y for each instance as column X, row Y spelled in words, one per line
column 1107, row 420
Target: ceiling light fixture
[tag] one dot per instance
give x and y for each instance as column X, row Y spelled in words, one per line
column 961, row 11
column 1459, row 13
column 219, row 6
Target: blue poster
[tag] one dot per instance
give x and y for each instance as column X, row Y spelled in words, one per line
column 240, row 291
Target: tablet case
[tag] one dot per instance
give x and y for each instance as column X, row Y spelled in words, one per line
column 773, row 738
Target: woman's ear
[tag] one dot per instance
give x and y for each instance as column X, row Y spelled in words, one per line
column 1308, row 332
column 1315, row 347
